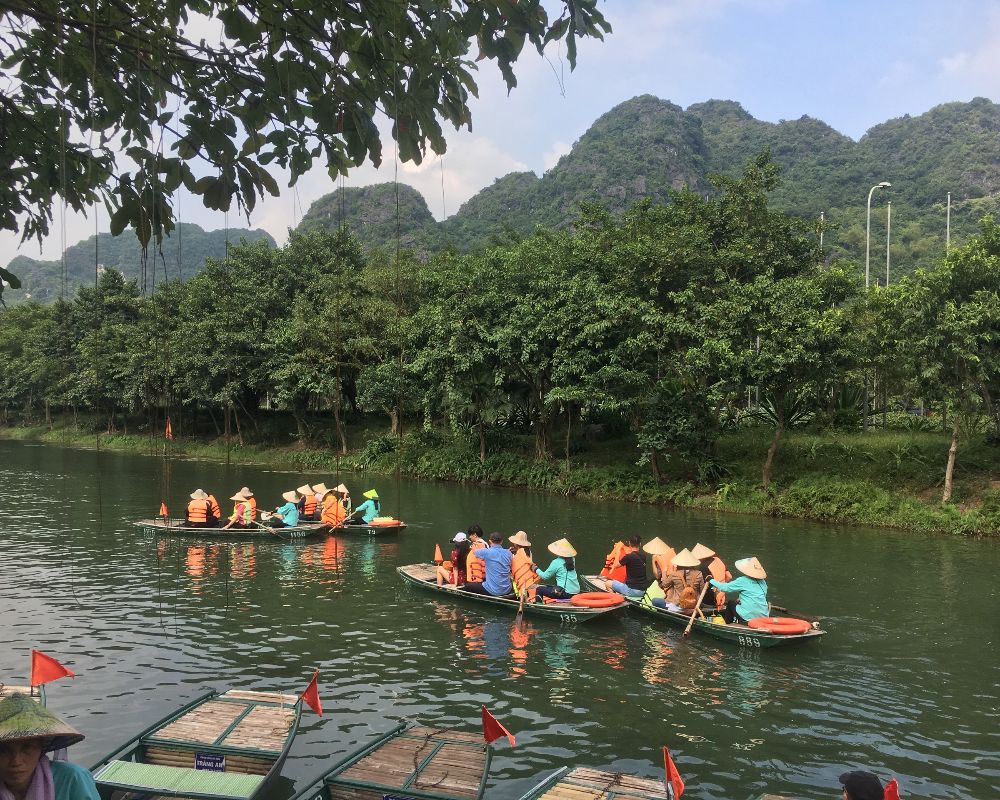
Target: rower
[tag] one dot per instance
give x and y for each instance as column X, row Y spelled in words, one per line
column 245, row 491
column 242, row 516
column 345, row 497
column 369, row 509
column 751, row 589
column 287, row 516
column 563, row 569
column 711, row 566
column 199, row 511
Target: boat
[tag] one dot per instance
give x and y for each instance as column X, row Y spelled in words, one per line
column 257, row 530
column 424, row 576
column 227, row 746
column 376, row 527
column 584, row 783
column 409, row 763
column 741, row 635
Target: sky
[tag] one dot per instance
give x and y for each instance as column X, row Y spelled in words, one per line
column 850, row 63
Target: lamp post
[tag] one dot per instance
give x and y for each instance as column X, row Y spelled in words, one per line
column 888, row 229
column 947, row 233
column 868, row 233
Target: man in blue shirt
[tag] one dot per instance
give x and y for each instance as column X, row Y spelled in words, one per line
column 497, row 560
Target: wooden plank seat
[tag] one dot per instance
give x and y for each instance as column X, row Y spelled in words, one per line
column 592, row 784
column 178, row 781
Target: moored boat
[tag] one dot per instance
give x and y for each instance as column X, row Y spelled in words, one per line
column 376, row 527
column 424, row 577
column 227, row 746
column 595, row 784
column 741, row 635
column 256, row 531
column 409, row 763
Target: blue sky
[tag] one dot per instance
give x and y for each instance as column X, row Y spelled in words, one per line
column 852, row 64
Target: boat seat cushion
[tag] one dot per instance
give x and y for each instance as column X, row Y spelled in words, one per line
column 178, row 781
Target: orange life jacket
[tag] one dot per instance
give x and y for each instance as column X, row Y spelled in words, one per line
column 618, row 573
column 475, row 569
column 523, row 574
column 721, row 574
column 663, row 565
column 216, row 511
column 253, row 507
column 333, row 512
column 198, row 510
column 310, row 507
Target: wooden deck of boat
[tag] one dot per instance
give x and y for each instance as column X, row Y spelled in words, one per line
column 584, row 783
column 433, row 761
column 7, row 689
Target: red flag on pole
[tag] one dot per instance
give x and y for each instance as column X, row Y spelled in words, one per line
column 673, row 776
column 493, row 730
column 311, row 695
column 45, row 669
column 169, row 432
column 163, row 510
column 892, row 790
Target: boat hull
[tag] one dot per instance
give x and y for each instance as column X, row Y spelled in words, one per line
column 592, row 784
column 368, row 530
column 423, row 577
column 176, row 527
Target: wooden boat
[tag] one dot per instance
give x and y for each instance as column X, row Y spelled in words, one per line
column 373, row 529
column 741, row 635
column 424, row 577
column 409, row 763
column 256, row 531
column 219, row 747
column 583, row 783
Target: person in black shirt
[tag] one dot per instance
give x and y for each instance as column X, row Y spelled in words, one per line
column 634, row 562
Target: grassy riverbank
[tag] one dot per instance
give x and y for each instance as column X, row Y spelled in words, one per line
column 880, row 478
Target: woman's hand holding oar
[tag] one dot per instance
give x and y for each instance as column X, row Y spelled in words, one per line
column 696, row 609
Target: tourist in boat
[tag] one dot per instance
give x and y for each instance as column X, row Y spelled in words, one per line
column 682, row 587
column 28, row 731
column 286, row 516
column 216, row 511
column 861, row 785
column 636, row 582
column 307, row 502
column 318, row 492
column 475, row 534
column 245, row 491
column 562, row 570
column 711, row 566
column 522, row 569
column 750, row 589
column 663, row 556
column 242, row 516
column 369, row 509
column 199, row 511
column 497, row 562
column 453, row 570
column 333, row 512
column 345, row 497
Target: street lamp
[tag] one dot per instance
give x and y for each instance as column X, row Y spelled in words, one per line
column 868, row 234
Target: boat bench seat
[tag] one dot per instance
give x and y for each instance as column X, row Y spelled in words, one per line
column 178, row 781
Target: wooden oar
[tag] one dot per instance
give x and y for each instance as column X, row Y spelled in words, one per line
column 519, row 619
column 697, row 608
column 268, row 528
column 783, row 610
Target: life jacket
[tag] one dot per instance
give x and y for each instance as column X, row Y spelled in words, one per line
column 253, row 507
column 333, row 512
column 216, row 510
column 663, row 565
column 198, row 510
column 309, row 508
column 475, row 569
column 522, row 573
column 721, row 574
column 242, row 513
column 478, row 545
column 618, row 573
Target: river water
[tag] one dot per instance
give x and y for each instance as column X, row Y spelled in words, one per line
column 905, row 683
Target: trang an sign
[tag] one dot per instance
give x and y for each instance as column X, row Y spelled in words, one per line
column 214, row 762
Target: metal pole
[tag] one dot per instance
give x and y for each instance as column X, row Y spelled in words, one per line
column 868, row 231
column 822, row 219
column 947, row 235
column 888, row 228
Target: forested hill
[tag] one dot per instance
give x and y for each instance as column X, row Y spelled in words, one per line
column 183, row 255
column 646, row 146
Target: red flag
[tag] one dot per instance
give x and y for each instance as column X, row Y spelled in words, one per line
column 493, row 730
column 163, row 510
column 45, row 669
column 169, row 432
column 892, row 790
column 673, row 776
column 311, row 695
column 438, row 558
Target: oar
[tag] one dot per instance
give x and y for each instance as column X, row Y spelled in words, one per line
column 697, row 607
column 268, row 528
column 519, row 619
column 783, row 610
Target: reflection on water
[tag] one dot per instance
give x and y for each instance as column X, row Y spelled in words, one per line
column 904, row 684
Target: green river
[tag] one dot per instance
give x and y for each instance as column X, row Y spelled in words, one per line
column 905, row 683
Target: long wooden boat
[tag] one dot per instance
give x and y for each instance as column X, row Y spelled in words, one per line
column 740, row 635
column 583, row 783
column 396, row 526
column 409, row 763
column 424, row 577
column 161, row 525
column 218, row 747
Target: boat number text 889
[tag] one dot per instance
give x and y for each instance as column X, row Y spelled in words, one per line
column 749, row 641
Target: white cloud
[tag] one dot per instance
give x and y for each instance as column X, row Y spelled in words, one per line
column 557, row 151
column 976, row 68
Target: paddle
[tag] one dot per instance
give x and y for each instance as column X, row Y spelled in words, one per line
column 519, row 619
column 267, row 528
column 696, row 609
column 783, row 610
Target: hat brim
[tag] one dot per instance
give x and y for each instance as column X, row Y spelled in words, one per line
column 750, row 570
column 700, row 551
column 562, row 548
column 656, row 547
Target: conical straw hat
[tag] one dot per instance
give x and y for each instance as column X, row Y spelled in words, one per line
column 320, row 489
column 341, row 489
column 699, row 551
column 245, row 491
column 751, row 567
column 238, row 496
column 520, row 539
column 22, row 718
column 563, row 548
column 685, row 559
column 198, row 494
column 290, row 496
column 371, row 494
column 305, row 489
column 656, row 547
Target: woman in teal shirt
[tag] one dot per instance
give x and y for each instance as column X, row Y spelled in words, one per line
column 287, row 516
column 369, row 509
column 563, row 569
column 751, row 589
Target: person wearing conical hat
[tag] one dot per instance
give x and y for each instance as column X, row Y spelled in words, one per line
column 333, row 513
column 683, row 586
column 345, row 497
column 369, row 509
column 562, row 570
column 28, row 731
column 216, row 510
column 245, row 491
column 286, row 516
column 663, row 558
column 712, row 566
column 519, row 541
column 241, row 516
column 751, row 590
column 199, row 511
column 306, row 502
